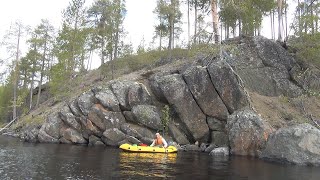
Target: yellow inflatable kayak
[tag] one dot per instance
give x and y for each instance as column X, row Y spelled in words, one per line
column 148, row 149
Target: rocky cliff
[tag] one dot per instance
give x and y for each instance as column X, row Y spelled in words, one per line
column 211, row 102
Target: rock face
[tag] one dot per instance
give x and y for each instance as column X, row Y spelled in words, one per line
column 207, row 101
column 227, row 85
column 298, row 144
column 177, row 93
column 248, row 133
column 264, row 67
column 203, row 91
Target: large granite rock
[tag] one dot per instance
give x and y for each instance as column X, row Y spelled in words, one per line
column 177, row 93
column 113, row 137
column 69, row 119
column 148, row 116
column 308, row 78
column 227, row 85
column 136, row 131
column 138, row 94
column 74, row 108
column 264, row 66
column 107, row 99
column 177, row 135
column 248, row 133
column 30, row 133
column 72, row 135
column 120, row 90
column 299, row 144
column 205, row 94
column 50, row 130
column 86, row 101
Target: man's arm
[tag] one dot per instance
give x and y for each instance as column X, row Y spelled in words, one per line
column 152, row 143
column 165, row 144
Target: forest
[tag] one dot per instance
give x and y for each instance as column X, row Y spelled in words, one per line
column 55, row 57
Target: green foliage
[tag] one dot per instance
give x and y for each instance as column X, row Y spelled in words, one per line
column 165, row 119
column 5, row 101
column 29, row 120
column 248, row 12
column 307, row 46
column 169, row 16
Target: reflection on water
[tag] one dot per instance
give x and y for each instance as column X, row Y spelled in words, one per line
column 20, row 160
column 146, row 164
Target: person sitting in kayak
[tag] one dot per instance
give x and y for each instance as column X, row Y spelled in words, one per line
column 159, row 141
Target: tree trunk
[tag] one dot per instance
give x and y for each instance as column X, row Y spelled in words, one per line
column 42, row 70
column 16, row 77
column 195, row 22
column 279, row 19
column 286, row 18
column 215, row 20
column 188, row 24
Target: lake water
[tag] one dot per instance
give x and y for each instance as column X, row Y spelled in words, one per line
column 20, row 160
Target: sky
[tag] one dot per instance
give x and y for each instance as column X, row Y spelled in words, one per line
column 139, row 22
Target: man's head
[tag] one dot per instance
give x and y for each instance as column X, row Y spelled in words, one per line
column 157, row 135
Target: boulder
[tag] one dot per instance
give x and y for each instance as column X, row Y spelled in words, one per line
column 299, row 144
column 308, row 78
column 92, row 129
column 247, row 132
column 85, row 102
column 108, row 100
column 51, row 127
column 202, row 89
column 227, row 85
column 73, row 136
column 95, row 141
column 43, row 137
column 269, row 81
column 69, row 119
column 210, row 148
column 272, row 54
column 219, row 138
column 105, row 119
column 136, row 131
column 129, row 116
column 138, row 94
column 220, row 151
column 113, row 119
column 74, row 108
column 113, row 136
column 120, row 90
column 177, row 135
column 30, row 133
column 148, row 116
column 264, row 67
column 132, row 140
column 96, row 116
column 215, row 124
column 177, row 94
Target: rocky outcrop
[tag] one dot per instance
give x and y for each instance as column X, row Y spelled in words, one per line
column 177, row 94
column 208, row 104
column 228, row 86
column 264, row 67
column 298, row 144
column 203, row 91
column 248, row 133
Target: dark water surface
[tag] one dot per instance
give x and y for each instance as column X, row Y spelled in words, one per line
column 19, row 160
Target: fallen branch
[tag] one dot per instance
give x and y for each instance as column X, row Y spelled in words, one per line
column 9, row 124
